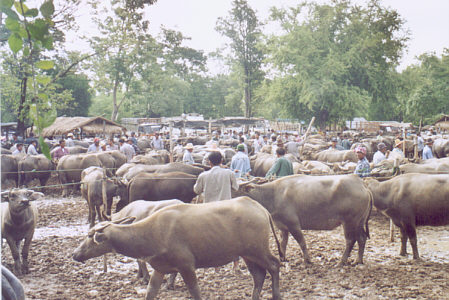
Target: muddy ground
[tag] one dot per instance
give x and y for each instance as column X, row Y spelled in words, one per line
column 63, row 224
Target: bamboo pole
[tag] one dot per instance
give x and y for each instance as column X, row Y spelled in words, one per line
column 306, row 134
column 171, row 141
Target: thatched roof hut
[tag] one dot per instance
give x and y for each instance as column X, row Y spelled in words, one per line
column 443, row 122
column 86, row 125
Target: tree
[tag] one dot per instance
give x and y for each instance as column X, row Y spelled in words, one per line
column 336, row 64
column 243, row 29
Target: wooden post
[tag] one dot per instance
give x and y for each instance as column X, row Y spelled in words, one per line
column 104, row 128
column 306, row 134
column 171, row 141
column 403, row 138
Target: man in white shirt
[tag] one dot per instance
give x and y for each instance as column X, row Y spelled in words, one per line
column 157, row 143
column 95, row 147
column 188, row 157
column 20, row 150
column 127, row 149
column 32, row 148
column 380, row 154
column 111, row 146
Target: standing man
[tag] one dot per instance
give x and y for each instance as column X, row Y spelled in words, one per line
column 133, row 138
column 103, row 146
column 240, row 163
column 242, row 142
column 187, row 158
column 427, row 151
column 126, row 149
column 362, row 169
column 157, row 143
column 334, row 145
column 111, row 146
column 420, row 144
column 61, row 151
column 216, row 184
column 381, row 153
column 258, row 143
column 32, row 148
column 95, row 147
column 397, row 148
column 282, row 167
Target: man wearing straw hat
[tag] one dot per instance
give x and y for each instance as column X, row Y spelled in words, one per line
column 187, row 158
column 69, row 141
column 397, row 147
column 427, row 151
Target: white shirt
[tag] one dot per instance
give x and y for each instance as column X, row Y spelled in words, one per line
column 216, row 184
column 378, row 157
column 157, row 144
column 32, row 150
column 69, row 142
column 128, row 150
column 188, row 158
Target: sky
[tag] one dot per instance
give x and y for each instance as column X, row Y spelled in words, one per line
column 427, row 22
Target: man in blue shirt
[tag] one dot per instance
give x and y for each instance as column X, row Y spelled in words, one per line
column 427, row 151
column 362, row 169
column 240, row 163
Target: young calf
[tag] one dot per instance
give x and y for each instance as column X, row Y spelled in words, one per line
column 19, row 218
column 184, row 237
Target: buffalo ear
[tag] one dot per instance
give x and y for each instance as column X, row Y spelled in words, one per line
column 35, row 196
column 5, row 196
column 99, row 237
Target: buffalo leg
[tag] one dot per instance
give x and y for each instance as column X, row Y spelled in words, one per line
column 411, row 232
column 258, row 274
column 15, row 255
column 154, row 285
column 25, row 251
column 143, row 271
column 404, row 238
column 299, row 237
column 350, row 237
column 361, row 241
column 284, row 241
column 191, row 281
column 92, row 215
column 391, row 231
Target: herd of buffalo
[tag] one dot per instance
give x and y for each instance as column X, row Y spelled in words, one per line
column 155, row 222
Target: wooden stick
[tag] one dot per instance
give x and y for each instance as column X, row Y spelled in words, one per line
column 306, row 134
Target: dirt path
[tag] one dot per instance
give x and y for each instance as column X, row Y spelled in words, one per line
column 63, row 224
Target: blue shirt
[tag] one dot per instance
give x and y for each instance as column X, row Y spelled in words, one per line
column 427, row 153
column 240, row 163
column 362, row 169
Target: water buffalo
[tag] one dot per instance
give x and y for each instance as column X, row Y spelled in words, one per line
column 412, row 200
column 9, row 168
column 162, row 186
column 302, row 202
column 441, row 148
column 141, row 209
column 184, row 237
column 12, row 288
column 92, row 192
column 69, row 169
column 19, row 218
column 336, row 156
column 35, row 167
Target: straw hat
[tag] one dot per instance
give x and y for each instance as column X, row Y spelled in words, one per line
column 102, row 144
column 70, row 134
column 398, row 142
column 189, row 146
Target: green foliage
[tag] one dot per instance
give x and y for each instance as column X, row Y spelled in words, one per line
column 243, row 29
column 424, row 89
column 336, row 64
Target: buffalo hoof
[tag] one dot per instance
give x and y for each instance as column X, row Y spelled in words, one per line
column 18, row 269
column 146, row 279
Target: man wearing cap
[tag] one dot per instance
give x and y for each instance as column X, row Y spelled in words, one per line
column 156, row 142
column 240, row 163
column 217, row 184
column 187, row 158
column 242, row 142
column 362, row 169
column 397, row 147
column 381, row 153
column 127, row 149
column 334, row 145
column 427, row 151
column 95, row 147
column 103, row 146
column 69, row 141
column 282, row 166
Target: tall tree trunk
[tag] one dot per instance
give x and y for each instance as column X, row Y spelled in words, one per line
column 20, row 117
column 114, row 102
